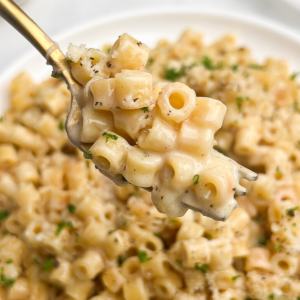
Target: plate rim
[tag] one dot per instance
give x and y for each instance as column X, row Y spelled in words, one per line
column 258, row 21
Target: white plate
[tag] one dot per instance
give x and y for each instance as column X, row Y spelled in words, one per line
column 264, row 39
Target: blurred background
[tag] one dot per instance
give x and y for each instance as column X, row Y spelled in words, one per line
column 58, row 16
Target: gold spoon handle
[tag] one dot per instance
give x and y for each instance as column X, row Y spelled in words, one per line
column 16, row 17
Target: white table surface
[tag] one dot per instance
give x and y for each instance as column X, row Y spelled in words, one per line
column 58, row 16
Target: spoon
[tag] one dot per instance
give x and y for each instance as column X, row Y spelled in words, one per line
column 16, row 17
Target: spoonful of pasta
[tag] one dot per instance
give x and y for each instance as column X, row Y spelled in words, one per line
column 158, row 137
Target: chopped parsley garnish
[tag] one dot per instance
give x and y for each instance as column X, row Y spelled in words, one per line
column 3, row 215
column 294, row 75
column 173, row 74
column 6, row 281
column 143, row 256
column 202, row 268
column 109, row 136
column 256, row 219
column 272, row 296
column 196, row 179
column 207, row 63
column 36, row 261
column 87, row 164
column 219, row 149
column 61, row 125
column 278, row 173
column 121, row 260
column 291, row 211
column 71, row 208
column 294, row 224
column 179, row 261
column 110, row 231
column 69, row 61
column 145, row 109
column 239, row 102
column 54, row 74
column 150, row 60
column 157, row 234
column 108, row 50
column 234, row 67
column 255, row 66
column 234, row 278
column 62, row 225
column 278, row 247
column 1, row 119
column 208, row 236
column 262, row 241
column 173, row 221
column 87, row 155
column 124, row 179
column 9, row 261
column 296, row 106
column 47, row 266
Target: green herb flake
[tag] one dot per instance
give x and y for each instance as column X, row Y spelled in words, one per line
column 61, row 125
column 150, row 60
column 294, row 75
column 208, row 236
column 278, row 173
column 145, row 109
column 62, row 225
column 272, row 296
column 202, row 268
column 257, row 219
column 6, row 281
column 179, row 261
column 262, row 241
column 174, row 222
column 173, row 74
column 234, row 67
column 36, row 261
column 121, row 260
column 124, row 179
column 296, row 106
column 255, row 67
column 69, row 61
column 87, row 164
column 71, row 208
column 3, row 215
column 108, row 50
column 9, row 261
column 278, row 247
column 239, row 102
column 47, row 266
column 196, row 179
column 111, row 231
column 234, row 278
column 207, row 63
column 291, row 211
column 87, row 155
column 54, row 74
column 220, row 150
column 109, row 136
column 1, row 119
column 143, row 256
column 156, row 234
column 294, row 224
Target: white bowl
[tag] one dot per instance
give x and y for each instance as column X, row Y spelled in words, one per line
column 265, row 40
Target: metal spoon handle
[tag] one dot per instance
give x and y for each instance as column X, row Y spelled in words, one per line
column 16, row 17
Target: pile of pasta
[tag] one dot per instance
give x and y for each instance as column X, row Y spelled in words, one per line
column 158, row 138
column 68, row 233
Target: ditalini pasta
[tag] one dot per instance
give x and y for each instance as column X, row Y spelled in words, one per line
column 159, row 137
column 67, row 232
